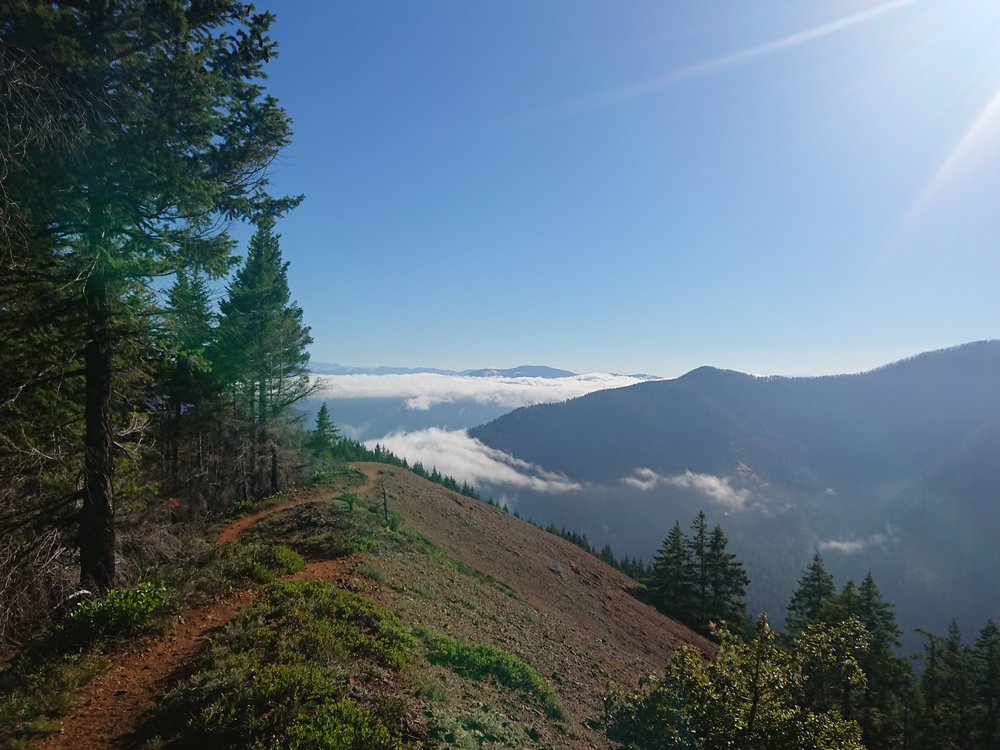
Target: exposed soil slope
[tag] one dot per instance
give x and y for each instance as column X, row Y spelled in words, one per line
column 570, row 615
column 485, row 577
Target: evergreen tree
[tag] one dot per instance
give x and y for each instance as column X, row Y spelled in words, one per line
column 188, row 328
column 698, row 547
column 261, row 346
column 670, row 579
column 814, row 592
column 883, row 708
column 173, row 134
column 325, row 434
column 262, row 342
column 727, row 582
column 986, row 685
column 958, row 668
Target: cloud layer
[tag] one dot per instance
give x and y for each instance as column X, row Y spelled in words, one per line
column 853, row 546
column 717, row 489
column 424, row 390
column 466, row 459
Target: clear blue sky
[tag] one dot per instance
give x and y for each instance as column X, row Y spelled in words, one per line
column 780, row 186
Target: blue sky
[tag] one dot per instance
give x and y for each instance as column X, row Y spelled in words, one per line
column 791, row 187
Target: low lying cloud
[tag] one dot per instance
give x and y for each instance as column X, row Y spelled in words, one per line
column 716, row 489
column 425, row 390
column 466, row 459
column 853, row 546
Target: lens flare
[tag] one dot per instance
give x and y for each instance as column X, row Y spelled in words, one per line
column 653, row 85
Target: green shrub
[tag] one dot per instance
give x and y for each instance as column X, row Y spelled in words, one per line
column 302, row 667
column 258, row 563
column 477, row 661
column 344, row 725
column 119, row 612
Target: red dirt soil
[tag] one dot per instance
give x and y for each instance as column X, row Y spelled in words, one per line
column 114, row 703
column 564, row 610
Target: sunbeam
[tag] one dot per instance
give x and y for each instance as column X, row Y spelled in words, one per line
column 959, row 155
column 652, row 85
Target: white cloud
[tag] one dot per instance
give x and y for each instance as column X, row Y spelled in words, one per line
column 421, row 391
column 466, row 459
column 852, row 546
column 717, row 489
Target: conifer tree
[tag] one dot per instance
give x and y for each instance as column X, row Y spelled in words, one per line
column 262, row 341
column 814, row 592
column 986, row 684
column 325, row 434
column 174, row 133
column 670, row 579
column 727, row 581
column 698, row 547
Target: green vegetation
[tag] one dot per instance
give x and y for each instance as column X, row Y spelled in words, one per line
column 697, row 580
column 478, row 661
column 119, row 612
column 751, row 695
column 306, row 666
column 34, row 696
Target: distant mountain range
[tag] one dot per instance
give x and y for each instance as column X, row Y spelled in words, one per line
column 522, row 371
column 896, row 470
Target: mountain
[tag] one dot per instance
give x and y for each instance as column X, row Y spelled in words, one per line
column 521, row 371
column 897, row 469
column 332, row 368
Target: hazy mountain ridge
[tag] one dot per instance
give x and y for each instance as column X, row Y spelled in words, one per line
column 800, row 431
column 521, row 371
column 895, row 470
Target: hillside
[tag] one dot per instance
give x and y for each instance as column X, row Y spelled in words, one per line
column 889, row 470
column 445, row 565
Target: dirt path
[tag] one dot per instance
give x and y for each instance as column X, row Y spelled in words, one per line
column 113, row 704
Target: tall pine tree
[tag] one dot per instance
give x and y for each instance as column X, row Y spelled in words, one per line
column 813, row 595
column 174, row 134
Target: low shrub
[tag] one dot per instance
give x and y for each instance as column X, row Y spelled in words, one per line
column 119, row 612
column 477, row 661
column 305, row 666
column 256, row 562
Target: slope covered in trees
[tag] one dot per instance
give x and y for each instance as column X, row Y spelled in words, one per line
column 891, row 470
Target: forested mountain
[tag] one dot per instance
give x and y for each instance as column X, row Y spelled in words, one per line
column 894, row 470
column 813, row 433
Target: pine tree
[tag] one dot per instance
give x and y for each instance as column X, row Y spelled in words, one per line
column 261, row 345
column 325, row 434
column 814, row 592
column 986, row 684
column 698, row 547
column 173, row 133
column 262, row 341
column 882, row 708
column 670, row 579
column 188, row 328
column 727, row 582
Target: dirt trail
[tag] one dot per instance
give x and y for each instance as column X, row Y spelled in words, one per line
column 113, row 704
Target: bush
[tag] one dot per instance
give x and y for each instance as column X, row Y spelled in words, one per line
column 305, row 666
column 119, row 612
column 477, row 661
column 259, row 563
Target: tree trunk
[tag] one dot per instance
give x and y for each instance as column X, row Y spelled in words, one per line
column 97, row 519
